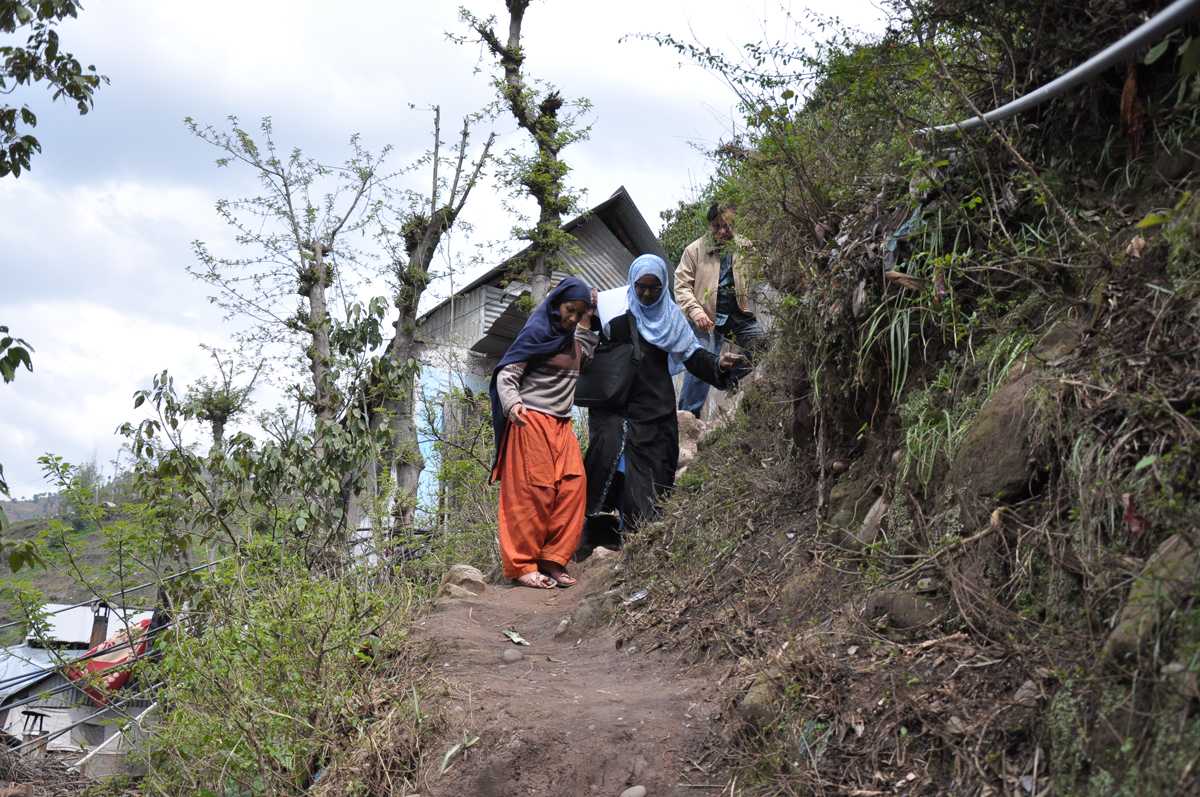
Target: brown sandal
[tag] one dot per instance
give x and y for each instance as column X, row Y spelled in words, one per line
column 536, row 580
column 559, row 575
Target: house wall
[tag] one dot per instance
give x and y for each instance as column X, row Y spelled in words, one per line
column 598, row 258
column 464, row 326
column 64, row 709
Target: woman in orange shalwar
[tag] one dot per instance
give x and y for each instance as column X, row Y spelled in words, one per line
column 543, row 493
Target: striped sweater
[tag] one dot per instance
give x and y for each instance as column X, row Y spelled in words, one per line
column 549, row 385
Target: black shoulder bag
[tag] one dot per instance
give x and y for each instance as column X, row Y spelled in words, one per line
column 607, row 379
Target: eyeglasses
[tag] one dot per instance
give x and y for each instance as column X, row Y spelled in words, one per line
column 646, row 290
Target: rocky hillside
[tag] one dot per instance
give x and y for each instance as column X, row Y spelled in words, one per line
column 948, row 546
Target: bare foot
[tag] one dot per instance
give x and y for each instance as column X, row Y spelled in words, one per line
column 559, row 574
column 537, row 581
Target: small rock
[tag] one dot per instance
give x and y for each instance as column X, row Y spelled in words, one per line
column 26, row 790
column 602, row 553
column 466, row 577
column 564, row 625
column 1027, row 695
column 926, row 585
column 901, row 611
column 1171, row 574
column 871, row 523
column 455, row 591
column 512, row 655
column 634, row 791
column 757, row 706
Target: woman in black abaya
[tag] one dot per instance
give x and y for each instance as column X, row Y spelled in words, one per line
column 633, row 451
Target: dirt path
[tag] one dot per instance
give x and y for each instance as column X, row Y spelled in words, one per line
column 575, row 716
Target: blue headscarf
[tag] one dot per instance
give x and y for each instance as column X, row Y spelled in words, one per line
column 661, row 324
column 540, row 337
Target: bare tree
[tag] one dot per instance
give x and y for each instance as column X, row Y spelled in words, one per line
column 539, row 115
column 292, row 233
column 361, row 387
column 411, row 241
column 218, row 402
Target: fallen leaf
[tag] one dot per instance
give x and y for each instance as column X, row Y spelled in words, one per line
column 1136, row 247
column 455, row 750
column 1153, row 220
column 903, row 280
column 516, row 638
column 1136, row 524
column 997, row 518
column 1133, row 110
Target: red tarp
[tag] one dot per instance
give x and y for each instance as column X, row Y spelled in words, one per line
column 122, row 649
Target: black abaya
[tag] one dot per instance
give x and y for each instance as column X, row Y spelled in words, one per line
column 648, row 434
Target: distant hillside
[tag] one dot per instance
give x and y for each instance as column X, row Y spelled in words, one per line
column 58, row 581
column 43, row 505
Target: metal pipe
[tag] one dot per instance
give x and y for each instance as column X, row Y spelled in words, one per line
column 1151, row 30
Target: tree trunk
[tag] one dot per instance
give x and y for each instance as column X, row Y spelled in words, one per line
column 539, row 281
column 314, row 285
column 403, row 454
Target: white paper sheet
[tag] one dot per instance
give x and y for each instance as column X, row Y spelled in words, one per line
column 610, row 304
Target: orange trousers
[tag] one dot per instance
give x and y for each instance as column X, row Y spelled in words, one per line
column 543, row 493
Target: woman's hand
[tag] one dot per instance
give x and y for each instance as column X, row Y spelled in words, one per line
column 516, row 414
column 585, row 318
column 729, row 360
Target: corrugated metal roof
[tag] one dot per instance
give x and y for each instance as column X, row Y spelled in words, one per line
column 618, row 211
column 598, row 257
column 30, row 662
column 68, row 626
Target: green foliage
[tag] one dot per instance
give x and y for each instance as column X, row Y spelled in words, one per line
column 278, row 676
column 681, row 225
column 467, row 500
column 914, row 275
column 40, row 59
column 14, row 352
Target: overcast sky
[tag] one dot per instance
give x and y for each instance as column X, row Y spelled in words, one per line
column 95, row 239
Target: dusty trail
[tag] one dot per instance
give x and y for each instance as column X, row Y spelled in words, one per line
column 576, row 715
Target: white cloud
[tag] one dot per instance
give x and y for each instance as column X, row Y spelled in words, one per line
column 88, row 360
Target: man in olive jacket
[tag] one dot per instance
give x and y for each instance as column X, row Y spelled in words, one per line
column 712, row 287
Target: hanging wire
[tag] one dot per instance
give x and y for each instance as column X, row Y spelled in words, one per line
column 127, row 590
column 31, row 675
column 42, row 696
